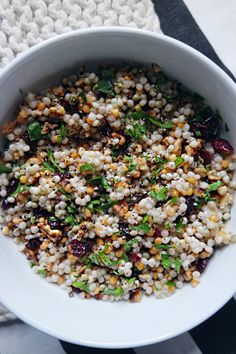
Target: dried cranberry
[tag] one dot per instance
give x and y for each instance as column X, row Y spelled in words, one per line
column 39, row 213
column 201, row 264
column 13, row 183
column 124, row 229
column 69, row 108
column 106, row 130
column 134, row 257
column 135, row 272
column 76, row 290
column 80, row 248
column 190, row 201
column 207, row 128
column 6, row 205
column 32, row 144
column 33, row 244
column 223, row 146
column 63, row 175
column 206, row 156
column 136, row 198
column 157, row 233
column 54, row 223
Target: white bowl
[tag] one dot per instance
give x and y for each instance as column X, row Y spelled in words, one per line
column 96, row 323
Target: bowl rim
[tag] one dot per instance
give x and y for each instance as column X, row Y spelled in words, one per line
column 125, row 31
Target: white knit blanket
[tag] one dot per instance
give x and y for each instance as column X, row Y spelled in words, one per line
column 24, row 23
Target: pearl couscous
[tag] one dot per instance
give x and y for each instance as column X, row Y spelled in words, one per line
column 116, row 184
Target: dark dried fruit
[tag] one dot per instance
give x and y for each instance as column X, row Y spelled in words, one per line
column 32, row 144
column 201, row 264
column 206, row 156
column 79, row 248
column 157, row 233
column 63, row 175
column 54, row 223
column 190, row 201
column 124, row 229
column 222, row 146
column 135, row 272
column 39, row 212
column 106, row 130
column 206, row 129
column 6, row 205
column 13, row 183
column 136, row 198
column 69, row 108
column 76, row 290
column 33, row 244
column 134, row 257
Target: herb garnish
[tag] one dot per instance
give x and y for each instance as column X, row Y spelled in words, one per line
column 160, row 124
column 86, row 167
column 82, row 285
column 116, row 292
column 179, row 160
column 164, row 247
column 62, row 135
column 4, row 169
column 137, row 132
column 100, row 180
column 53, row 161
column 34, row 130
column 159, row 196
column 144, row 226
column 129, row 244
column 167, row 262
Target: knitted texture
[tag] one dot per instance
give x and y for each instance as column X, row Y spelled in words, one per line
column 24, row 23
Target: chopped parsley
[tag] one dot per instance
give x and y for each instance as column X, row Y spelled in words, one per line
column 82, row 285
column 63, row 134
column 32, row 264
column 178, row 264
column 163, row 247
column 144, row 226
column 4, row 169
column 104, row 86
column 170, row 283
column 179, row 161
column 160, row 124
column 179, row 226
column 139, row 115
column 34, row 131
column 162, row 79
column 116, row 292
column 48, row 167
column 101, row 204
column 137, row 132
column 213, row 187
column 86, row 167
column 174, row 200
column 42, row 272
column 100, row 258
column 20, row 189
column 159, row 196
column 129, row 244
column 53, row 161
column 159, row 166
column 70, row 220
column 66, row 194
column 100, row 180
column 165, row 261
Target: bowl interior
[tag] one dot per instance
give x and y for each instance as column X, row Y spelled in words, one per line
column 94, row 323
